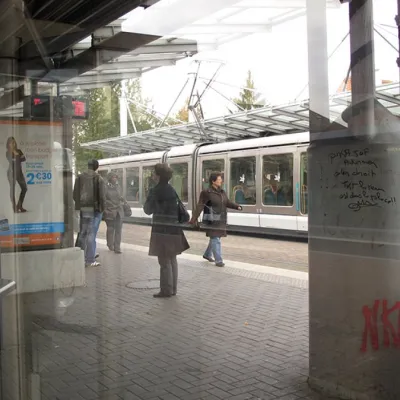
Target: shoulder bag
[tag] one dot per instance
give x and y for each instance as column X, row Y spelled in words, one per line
column 183, row 215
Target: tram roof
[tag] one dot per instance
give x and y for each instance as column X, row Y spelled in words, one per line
column 182, row 151
column 266, row 121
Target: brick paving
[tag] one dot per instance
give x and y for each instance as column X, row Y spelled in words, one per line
column 223, row 337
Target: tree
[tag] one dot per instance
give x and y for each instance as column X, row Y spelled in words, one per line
column 248, row 98
column 183, row 113
column 104, row 122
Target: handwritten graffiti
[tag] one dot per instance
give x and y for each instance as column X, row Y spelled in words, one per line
column 391, row 333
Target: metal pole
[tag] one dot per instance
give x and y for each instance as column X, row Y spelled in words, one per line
column 123, row 111
column 173, row 105
column 317, row 66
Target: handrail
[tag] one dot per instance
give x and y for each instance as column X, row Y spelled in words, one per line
column 6, row 286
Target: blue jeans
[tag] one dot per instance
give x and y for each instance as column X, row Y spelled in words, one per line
column 214, row 248
column 90, row 222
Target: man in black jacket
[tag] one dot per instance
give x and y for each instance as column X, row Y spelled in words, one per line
column 89, row 197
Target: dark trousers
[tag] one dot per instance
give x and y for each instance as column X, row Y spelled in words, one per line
column 13, row 179
column 114, row 233
column 168, row 274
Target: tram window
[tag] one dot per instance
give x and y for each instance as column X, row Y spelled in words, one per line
column 210, row 166
column 304, row 183
column 278, row 180
column 119, row 173
column 180, row 180
column 103, row 173
column 243, row 180
column 132, row 184
column 148, row 181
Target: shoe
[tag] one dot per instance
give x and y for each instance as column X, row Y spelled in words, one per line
column 97, row 256
column 220, row 264
column 209, row 259
column 110, row 248
column 93, row 264
column 174, row 294
column 117, row 251
column 21, row 209
column 161, row 295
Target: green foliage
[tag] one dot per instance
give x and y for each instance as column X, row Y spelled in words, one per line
column 103, row 121
column 248, row 99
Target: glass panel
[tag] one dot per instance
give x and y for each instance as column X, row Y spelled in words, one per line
column 278, row 180
column 304, row 183
column 148, row 181
column 243, row 180
column 180, row 180
column 210, row 166
column 132, row 184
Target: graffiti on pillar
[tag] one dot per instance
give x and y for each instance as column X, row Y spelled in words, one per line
column 358, row 177
column 381, row 325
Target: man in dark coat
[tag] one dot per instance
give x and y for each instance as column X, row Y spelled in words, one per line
column 89, row 197
column 114, row 213
column 214, row 203
column 167, row 237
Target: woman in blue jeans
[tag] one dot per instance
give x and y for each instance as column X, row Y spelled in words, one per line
column 214, row 202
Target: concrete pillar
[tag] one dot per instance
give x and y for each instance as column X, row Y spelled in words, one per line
column 317, row 65
column 354, row 236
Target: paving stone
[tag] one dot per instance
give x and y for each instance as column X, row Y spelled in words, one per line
column 225, row 336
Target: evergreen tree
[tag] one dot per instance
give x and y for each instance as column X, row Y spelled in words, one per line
column 248, row 98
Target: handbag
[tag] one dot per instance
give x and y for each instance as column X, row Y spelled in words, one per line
column 209, row 215
column 183, row 215
column 127, row 210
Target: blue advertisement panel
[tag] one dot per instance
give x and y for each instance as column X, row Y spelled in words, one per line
column 32, row 195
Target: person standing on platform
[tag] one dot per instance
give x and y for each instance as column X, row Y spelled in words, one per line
column 90, row 197
column 167, row 237
column 214, row 202
column 114, row 213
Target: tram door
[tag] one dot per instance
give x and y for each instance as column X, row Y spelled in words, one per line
column 241, row 182
column 302, row 190
column 278, row 182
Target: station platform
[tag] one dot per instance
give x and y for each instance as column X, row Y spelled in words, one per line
column 239, row 332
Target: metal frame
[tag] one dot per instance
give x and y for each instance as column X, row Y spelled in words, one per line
column 288, row 118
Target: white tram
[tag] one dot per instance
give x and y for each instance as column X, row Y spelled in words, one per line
column 267, row 176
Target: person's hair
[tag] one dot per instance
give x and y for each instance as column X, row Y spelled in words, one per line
column 9, row 141
column 93, row 165
column 164, row 171
column 213, row 177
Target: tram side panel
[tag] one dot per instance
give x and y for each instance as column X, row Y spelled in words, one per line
column 270, row 184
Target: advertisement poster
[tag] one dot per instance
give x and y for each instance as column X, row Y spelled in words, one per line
column 31, row 214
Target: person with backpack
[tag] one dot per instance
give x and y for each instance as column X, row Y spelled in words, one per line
column 214, row 202
column 90, row 198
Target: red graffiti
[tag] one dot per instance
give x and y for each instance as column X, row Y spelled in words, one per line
column 391, row 334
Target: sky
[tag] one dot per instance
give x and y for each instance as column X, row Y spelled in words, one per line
column 278, row 60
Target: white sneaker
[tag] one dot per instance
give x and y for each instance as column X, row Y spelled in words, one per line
column 93, row 264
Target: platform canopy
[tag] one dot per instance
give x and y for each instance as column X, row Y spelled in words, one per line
column 156, row 54
column 271, row 120
column 218, row 21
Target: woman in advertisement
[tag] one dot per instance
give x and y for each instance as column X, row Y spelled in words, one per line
column 15, row 174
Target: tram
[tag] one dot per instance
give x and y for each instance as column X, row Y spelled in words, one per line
column 266, row 176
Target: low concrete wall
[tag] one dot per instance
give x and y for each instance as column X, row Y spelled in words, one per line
column 36, row 271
